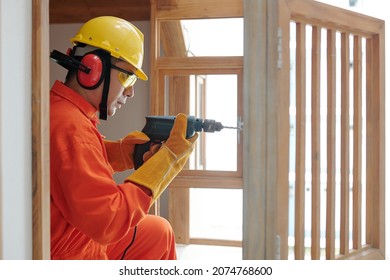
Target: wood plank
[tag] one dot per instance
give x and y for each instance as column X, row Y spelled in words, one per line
column 328, row 16
column 366, row 253
column 369, row 187
column 172, row 39
column 357, row 142
column 180, row 63
column 255, row 228
column 315, row 143
column 40, row 130
column 207, row 182
column 210, row 173
column 178, row 88
column 155, row 93
column 179, row 217
column 165, row 4
column 345, row 145
column 299, row 229
column 178, row 100
column 376, row 142
column 240, row 115
column 331, row 144
column 76, row 11
column 201, row 9
column 216, row 242
column 278, row 130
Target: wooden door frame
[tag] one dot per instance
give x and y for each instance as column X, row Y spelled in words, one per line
column 266, row 134
column 40, row 130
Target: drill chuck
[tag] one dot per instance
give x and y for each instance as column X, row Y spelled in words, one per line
column 211, row 126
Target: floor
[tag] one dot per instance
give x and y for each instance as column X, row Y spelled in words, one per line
column 203, row 252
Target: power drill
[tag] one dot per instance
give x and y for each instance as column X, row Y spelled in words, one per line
column 158, row 128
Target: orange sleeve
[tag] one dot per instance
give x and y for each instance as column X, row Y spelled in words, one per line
column 89, row 198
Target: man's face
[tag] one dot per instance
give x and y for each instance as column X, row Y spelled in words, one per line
column 118, row 94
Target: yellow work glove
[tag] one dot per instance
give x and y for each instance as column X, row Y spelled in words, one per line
column 156, row 173
column 121, row 153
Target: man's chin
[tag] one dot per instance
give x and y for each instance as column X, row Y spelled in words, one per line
column 111, row 112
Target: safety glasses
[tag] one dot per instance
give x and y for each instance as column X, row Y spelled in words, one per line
column 126, row 78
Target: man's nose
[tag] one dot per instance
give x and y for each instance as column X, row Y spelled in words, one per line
column 129, row 92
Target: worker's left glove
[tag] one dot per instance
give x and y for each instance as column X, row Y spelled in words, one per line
column 121, row 153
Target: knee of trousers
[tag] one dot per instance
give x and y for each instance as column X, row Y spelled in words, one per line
column 160, row 227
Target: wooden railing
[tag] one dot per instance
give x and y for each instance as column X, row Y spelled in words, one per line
column 337, row 118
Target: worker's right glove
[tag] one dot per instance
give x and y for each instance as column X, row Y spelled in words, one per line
column 121, row 153
column 156, row 173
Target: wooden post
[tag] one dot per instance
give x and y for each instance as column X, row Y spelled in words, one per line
column 40, row 130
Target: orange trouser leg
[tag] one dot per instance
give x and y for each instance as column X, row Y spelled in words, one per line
column 154, row 240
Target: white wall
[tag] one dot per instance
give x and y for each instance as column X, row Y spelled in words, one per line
column 15, row 129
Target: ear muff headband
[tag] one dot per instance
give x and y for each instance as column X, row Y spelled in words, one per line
column 106, row 86
column 68, row 62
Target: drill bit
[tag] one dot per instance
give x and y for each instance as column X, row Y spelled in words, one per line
column 239, row 126
column 212, row 126
column 232, row 127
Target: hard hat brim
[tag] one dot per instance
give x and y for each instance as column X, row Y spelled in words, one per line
column 140, row 74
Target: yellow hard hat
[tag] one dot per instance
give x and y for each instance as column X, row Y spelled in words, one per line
column 117, row 36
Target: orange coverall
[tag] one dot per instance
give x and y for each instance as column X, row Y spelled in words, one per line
column 92, row 217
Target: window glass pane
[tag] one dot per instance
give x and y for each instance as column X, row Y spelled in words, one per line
column 208, row 97
column 216, row 214
column 202, row 37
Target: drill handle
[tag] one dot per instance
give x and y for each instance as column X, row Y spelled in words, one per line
column 157, row 129
column 139, row 151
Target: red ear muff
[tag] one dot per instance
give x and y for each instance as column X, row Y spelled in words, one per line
column 94, row 77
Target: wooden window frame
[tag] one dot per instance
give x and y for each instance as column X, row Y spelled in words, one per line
column 177, row 64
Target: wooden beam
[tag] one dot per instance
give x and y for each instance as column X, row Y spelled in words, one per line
column 300, row 165
column 172, row 38
column 254, row 195
column 40, row 130
column 76, row 11
column 165, row 4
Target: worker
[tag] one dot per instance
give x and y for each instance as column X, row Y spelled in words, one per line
column 93, row 217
